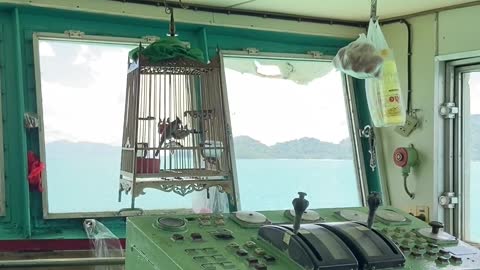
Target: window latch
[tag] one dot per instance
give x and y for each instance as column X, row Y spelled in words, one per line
column 150, row 39
column 449, row 110
column 448, row 200
column 74, row 34
column 315, row 54
column 251, row 50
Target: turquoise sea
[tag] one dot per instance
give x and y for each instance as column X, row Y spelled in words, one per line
column 90, row 184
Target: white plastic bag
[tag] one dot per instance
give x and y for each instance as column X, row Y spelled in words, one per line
column 105, row 243
column 384, row 95
column 360, row 59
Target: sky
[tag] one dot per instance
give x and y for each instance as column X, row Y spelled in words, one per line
column 474, row 83
column 83, row 92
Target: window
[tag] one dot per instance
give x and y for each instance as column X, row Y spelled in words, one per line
column 462, row 148
column 291, row 133
column 81, row 103
column 471, row 83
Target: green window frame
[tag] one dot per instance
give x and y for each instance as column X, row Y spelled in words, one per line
column 24, row 214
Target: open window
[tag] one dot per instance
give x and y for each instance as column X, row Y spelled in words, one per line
column 292, row 131
column 81, row 100
column 461, row 111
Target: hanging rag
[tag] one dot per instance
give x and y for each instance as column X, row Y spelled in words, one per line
column 35, row 168
column 167, row 49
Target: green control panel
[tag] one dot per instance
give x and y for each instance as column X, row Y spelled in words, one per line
column 327, row 239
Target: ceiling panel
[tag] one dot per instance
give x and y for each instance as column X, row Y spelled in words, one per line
column 337, row 9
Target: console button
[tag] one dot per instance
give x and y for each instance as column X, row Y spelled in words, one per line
column 260, row 266
column 242, row 252
column 233, row 245
column 442, row 260
column 219, row 258
column 259, row 251
column 405, row 248
column 196, row 236
column 223, row 235
column 219, row 222
column 444, row 253
column 209, row 250
column 177, row 237
column 250, row 244
column 228, row 265
column 456, row 259
column 200, row 259
column 432, row 253
column 252, row 260
column 269, row 258
column 416, row 254
column 209, row 267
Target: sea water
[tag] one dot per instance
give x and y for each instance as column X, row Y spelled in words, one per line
column 91, row 184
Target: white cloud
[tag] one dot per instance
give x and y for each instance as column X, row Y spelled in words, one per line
column 277, row 110
column 46, row 49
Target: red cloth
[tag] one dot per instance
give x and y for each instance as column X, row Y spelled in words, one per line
column 35, row 168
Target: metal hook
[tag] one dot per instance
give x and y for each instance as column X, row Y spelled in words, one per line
column 182, row 5
column 373, row 10
column 168, row 9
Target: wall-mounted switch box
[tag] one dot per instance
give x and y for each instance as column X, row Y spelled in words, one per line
column 422, row 212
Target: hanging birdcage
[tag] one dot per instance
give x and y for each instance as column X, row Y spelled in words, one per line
column 174, row 133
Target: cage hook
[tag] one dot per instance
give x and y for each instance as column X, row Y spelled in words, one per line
column 167, row 7
column 182, row 5
column 169, row 10
column 373, row 10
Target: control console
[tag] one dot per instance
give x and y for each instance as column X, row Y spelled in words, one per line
column 292, row 239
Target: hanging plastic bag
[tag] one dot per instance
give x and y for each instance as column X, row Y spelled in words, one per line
column 384, row 95
column 105, row 243
column 360, row 59
column 210, row 201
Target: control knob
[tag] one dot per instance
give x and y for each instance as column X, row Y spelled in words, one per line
column 436, row 226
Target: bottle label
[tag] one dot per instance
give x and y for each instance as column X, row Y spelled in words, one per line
column 391, row 91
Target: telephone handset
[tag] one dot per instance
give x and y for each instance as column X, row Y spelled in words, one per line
column 406, row 158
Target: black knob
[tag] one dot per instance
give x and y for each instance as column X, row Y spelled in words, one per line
column 442, row 260
column 436, row 226
column 300, row 204
column 374, row 201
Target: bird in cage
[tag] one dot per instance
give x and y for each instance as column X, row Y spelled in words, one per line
column 174, row 129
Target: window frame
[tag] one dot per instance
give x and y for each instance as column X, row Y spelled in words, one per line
column 350, row 105
column 37, row 36
column 455, row 167
column 2, row 157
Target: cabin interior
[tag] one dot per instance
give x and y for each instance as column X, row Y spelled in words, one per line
column 121, row 154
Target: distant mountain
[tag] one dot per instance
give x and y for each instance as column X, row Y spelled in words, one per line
column 304, row 148
column 72, row 148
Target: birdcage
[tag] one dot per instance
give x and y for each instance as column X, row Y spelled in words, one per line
column 174, row 134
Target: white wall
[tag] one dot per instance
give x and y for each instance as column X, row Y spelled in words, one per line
column 444, row 33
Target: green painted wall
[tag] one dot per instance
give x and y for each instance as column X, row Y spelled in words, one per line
column 17, row 24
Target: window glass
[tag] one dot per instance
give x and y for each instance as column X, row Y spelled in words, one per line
column 83, row 98
column 291, row 133
column 472, row 80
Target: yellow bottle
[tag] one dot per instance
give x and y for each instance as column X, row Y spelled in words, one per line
column 392, row 107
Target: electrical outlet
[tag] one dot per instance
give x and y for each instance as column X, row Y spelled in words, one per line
column 410, row 125
column 422, row 211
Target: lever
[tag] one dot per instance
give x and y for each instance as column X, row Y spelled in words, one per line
column 436, row 226
column 374, row 201
column 300, row 204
